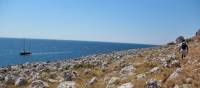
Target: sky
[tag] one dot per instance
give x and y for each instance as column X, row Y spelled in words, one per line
column 126, row 21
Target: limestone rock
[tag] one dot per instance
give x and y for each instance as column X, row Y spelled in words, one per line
column 175, row 74
column 113, row 81
column 87, row 71
column 2, row 77
column 152, row 84
column 3, row 86
column 176, row 63
column 154, row 70
column 127, row 70
column 69, row 75
column 9, row 79
column 67, row 84
column 92, row 81
column 38, row 84
column 127, row 85
column 189, row 80
column 20, row 81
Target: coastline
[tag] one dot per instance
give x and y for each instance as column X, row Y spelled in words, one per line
column 159, row 66
column 90, row 61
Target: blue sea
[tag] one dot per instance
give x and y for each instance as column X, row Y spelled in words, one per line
column 53, row 50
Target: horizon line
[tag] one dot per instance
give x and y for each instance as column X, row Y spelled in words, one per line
column 77, row 40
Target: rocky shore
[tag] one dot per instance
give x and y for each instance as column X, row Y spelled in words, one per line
column 158, row 67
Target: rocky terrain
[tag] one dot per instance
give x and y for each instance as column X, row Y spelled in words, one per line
column 158, row 67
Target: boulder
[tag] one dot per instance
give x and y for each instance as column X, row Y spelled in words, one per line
column 154, row 70
column 112, row 82
column 20, row 81
column 152, row 84
column 127, row 70
column 92, row 81
column 67, row 84
column 189, row 80
column 176, row 63
column 69, row 75
column 183, row 86
column 38, row 84
column 171, row 57
column 175, row 74
column 9, row 79
column 53, row 80
column 164, row 62
column 127, row 85
column 87, row 71
column 2, row 85
column 2, row 78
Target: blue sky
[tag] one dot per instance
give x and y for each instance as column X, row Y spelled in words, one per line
column 129, row 21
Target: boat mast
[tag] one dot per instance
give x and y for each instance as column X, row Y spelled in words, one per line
column 24, row 44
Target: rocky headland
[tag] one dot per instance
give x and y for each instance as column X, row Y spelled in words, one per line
column 157, row 67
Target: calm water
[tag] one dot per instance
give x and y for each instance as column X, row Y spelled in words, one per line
column 52, row 50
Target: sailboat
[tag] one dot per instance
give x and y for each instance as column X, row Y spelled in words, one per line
column 24, row 51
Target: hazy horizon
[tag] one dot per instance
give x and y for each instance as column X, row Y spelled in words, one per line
column 130, row 21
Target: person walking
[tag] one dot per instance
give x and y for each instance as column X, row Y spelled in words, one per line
column 183, row 49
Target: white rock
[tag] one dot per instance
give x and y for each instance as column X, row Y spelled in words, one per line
column 126, row 85
column 189, row 80
column 176, row 86
column 9, row 79
column 152, row 84
column 87, row 71
column 176, row 63
column 3, row 86
column 38, row 84
column 68, row 84
column 20, row 81
column 69, row 75
column 53, row 80
column 175, row 74
column 113, row 81
column 92, row 81
column 128, row 70
column 154, row 70
column 2, row 77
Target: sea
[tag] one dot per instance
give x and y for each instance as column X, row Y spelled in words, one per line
column 54, row 50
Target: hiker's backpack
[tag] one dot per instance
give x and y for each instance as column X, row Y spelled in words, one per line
column 184, row 46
